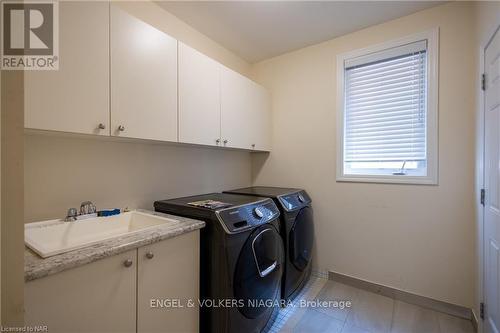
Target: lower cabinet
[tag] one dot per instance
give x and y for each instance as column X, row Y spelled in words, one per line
column 98, row 297
column 142, row 290
column 168, row 275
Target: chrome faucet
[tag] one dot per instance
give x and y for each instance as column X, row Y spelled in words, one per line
column 86, row 208
column 71, row 215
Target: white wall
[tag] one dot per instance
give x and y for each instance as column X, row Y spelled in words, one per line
column 412, row 237
column 61, row 172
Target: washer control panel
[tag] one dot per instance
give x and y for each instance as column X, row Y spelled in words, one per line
column 294, row 201
column 241, row 218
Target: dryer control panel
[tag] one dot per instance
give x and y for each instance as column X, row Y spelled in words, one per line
column 294, row 201
column 241, row 218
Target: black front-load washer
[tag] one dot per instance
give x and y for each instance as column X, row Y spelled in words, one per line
column 297, row 230
column 241, row 259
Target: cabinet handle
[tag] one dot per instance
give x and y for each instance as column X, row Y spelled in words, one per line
column 217, row 141
column 101, row 126
column 121, row 128
column 225, row 141
column 128, row 263
column 150, row 255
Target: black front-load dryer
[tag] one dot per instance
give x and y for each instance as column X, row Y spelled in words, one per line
column 297, row 230
column 241, row 259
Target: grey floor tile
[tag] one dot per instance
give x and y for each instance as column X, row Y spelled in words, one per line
column 316, row 322
column 409, row 318
column 289, row 317
column 293, row 319
column 335, row 291
column 371, row 312
column 450, row 324
column 353, row 329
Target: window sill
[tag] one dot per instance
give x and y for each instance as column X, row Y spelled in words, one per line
column 415, row 180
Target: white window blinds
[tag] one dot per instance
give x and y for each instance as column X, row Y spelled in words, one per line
column 385, row 106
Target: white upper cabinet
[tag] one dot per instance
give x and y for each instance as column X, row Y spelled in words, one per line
column 120, row 76
column 143, row 79
column 235, row 110
column 199, row 97
column 218, row 106
column 260, row 124
column 74, row 98
column 245, row 112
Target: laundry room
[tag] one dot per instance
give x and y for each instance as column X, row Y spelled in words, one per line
column 250, row 166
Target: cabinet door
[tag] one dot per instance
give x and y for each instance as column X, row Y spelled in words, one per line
column 169, row 270
column 260, row 123
column 199, row 97
column 143, row 79
column 236, row 100
column 74, row 98
column 98, row 297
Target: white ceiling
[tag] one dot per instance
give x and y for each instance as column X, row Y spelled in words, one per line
column 257, row 30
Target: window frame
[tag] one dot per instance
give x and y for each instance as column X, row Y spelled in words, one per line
column 432, row 37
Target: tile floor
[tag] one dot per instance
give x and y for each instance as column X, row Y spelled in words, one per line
column 369, row 313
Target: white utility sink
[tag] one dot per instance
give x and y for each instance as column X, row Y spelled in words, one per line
column 53, row 237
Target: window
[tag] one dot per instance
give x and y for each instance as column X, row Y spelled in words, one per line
column 387, row 115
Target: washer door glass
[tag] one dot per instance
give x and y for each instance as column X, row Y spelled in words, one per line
column 258, row 272
column 301, row 239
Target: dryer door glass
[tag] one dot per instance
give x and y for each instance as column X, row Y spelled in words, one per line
column 258, row 272
column 301, row 239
